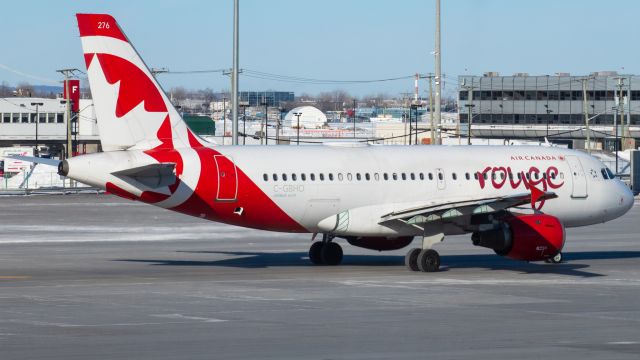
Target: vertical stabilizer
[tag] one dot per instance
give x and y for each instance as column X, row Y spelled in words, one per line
column 130, row 105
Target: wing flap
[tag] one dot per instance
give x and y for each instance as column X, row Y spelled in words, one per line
column 418, row 216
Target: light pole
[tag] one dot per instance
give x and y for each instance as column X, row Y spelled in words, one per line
column 548, row 116
column 266, row 120
column 615, row 142
column 244, row 122
column 224, row 119
column 37, row 104
column 410, row 124
column 354, row 118
column 298, row 114
column 469, row 120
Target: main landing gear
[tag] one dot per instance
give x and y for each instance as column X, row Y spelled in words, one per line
column 325, row 252
column 425, row 259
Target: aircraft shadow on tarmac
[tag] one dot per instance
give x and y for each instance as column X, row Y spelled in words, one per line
column 244, row 259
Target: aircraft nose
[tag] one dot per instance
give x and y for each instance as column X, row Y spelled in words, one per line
column 627, row 199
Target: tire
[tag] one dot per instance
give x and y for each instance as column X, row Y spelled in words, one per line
column 556, row 259
column 331, row 254
column 429, row 261
column 315, row 253
column 411, row 259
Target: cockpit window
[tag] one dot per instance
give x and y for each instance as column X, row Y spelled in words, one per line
column 604, row 173
column 611, row 175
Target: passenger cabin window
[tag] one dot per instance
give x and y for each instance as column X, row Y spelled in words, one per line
column 312, row 176
column 367, row 177
column 358, row 176
column 385, row 176
column 349, row 176
column 412, row 176
column 394, row 176
column 275, row 177
column 303, row 177
column 293, row 177
column 340, row 177
column 467, row 176
column 331, row 176
column 454, row 176
column 440, row 176
column 475, row 176
column 284, row 177
column 404, row 176
column 376, row 176
column 430, row 176
column 321, row 176
column 421, row 176
column 265, row 177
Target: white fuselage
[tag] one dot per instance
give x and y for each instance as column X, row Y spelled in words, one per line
column 313, row 183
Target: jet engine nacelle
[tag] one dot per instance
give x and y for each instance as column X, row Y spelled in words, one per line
column 524, row 237
column 379, row 243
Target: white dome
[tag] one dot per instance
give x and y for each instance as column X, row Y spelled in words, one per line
column 311, row 118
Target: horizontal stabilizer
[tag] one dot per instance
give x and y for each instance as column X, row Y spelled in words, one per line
column 152, row 175
column 35, row 159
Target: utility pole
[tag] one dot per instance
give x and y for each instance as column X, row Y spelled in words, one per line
column 67, row 74
column 438, row 75
column 585, row 110
column 433, row 134
column 234, row 76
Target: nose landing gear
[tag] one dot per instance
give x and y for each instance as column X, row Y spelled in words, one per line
column 325, row 252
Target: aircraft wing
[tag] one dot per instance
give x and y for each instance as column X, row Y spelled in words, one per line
column 422, row 215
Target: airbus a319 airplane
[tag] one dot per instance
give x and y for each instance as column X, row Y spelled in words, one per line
column 514, row 200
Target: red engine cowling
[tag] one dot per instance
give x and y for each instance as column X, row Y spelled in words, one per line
column 379, row 243
column 524, row 237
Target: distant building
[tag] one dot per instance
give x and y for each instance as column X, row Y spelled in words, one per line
column 554, row 100
column 273, row 98
column 310, row 117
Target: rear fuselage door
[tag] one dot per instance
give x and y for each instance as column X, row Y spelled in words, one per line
column 578, row 177
column 227, row 179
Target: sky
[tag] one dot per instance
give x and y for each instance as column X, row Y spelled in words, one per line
column 331, row 39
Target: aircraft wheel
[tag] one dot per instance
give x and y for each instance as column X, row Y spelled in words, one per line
column 429, row 261
column 411, row 259
column 315, row 253
column 331, row 253
column 556, row 259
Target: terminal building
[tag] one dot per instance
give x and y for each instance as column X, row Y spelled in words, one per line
column 552, row 104
column 42, row 122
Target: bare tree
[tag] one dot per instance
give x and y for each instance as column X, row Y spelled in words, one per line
column 24, row 89
column 5, row 89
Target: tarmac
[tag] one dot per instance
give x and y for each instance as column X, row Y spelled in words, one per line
column 98, row 277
